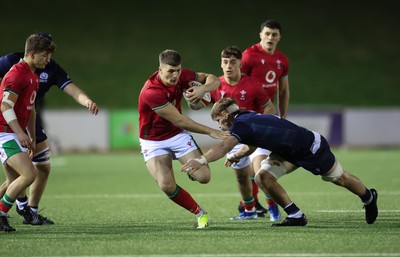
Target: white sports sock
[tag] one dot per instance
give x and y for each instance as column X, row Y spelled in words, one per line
column 35, row 210
column 296, row 215
column 252, row 210
column 21, row 205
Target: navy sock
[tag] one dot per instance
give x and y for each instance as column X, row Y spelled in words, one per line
column 22, row 199
column 366, row 198
column 291, row 209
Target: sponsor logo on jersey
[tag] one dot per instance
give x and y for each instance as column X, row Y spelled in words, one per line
column 270, row 76
column 269, row 85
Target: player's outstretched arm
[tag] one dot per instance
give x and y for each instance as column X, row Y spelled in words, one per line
column 81, row 97
column 215, row 153
column 170, row 113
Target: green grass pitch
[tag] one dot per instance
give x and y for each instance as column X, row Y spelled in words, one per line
column 108, row 205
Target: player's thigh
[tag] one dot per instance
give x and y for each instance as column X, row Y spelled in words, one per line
column 276, row 166
column 160, row 168
column 257, row 157
column 11, row 174
column 42, row 146
column 245, row 172
column 195, row 153
column 256, row 161
column 22, row 164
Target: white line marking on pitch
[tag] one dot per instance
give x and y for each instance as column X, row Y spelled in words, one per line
column 199, row 195
column 356, row 211
column 255, row 255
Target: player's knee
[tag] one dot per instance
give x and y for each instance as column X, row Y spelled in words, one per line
column 204, row 180
column 203, row 175
column 43, row 169
column 334, row 175
column 264, row 179
column 28, row 177
column 167, row 188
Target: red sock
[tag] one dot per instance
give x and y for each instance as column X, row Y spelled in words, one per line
column 185, row 200
column 255, row 190
column 4, row 208
column 249, row 204
column 271, row 202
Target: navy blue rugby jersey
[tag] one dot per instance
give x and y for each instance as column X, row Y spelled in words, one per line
column 270, row 132
column 51, row 75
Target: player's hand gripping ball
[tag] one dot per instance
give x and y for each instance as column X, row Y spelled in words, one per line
column 206, row 100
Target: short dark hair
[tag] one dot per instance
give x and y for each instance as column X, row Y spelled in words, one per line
column 272, row 24
column 39, row 43
column 170, row 57
column 231, row 51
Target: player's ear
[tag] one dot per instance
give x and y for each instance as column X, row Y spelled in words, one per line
column 31, row 54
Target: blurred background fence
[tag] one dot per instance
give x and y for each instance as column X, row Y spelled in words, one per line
column 344, row 59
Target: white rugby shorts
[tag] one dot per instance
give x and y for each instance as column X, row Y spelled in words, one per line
column 177, row 146
column 244, row 162
column 9, row 145
column 259, row 151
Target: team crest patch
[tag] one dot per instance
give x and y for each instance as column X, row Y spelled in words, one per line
column 43, row 77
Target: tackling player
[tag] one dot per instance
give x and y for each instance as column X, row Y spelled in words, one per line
column 291, row 147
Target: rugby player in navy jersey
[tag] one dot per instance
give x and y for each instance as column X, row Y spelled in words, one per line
column 291, row 147
column 52, row 75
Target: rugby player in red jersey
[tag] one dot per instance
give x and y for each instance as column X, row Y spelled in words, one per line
column 17, row 124
column 163, row 130
column 249, row 95
column 264, row 62
column 53, row 75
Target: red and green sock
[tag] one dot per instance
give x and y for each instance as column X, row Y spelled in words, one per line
column 249, row 204
column 6, row 203
column 185, row 200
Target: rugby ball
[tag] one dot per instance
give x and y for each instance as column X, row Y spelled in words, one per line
column 206, row 100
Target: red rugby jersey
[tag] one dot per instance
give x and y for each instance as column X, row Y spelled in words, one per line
column 20, row 80
column 248, row 94
column 267, row 69
column 155, row 95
